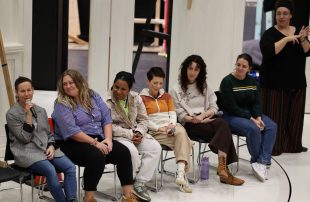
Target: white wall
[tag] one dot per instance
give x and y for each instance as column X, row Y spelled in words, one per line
column 212, row 29
column 111, row 41
column 307, row 109
column 16, row 26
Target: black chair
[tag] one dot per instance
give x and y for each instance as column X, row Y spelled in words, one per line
column 238, row 135
column 9, row 174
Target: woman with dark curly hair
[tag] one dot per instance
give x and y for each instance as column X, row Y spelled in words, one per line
column 195, row 104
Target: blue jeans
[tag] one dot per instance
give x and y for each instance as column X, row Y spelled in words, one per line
column 63, row 164
column 259, row 143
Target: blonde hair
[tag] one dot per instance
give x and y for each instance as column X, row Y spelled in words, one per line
column 85, row 93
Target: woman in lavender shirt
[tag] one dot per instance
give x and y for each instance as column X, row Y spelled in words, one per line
column 84, row 132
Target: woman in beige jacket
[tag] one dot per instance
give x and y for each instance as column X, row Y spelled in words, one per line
column 130, row 128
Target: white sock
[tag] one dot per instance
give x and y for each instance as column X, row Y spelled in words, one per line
column 180, row 166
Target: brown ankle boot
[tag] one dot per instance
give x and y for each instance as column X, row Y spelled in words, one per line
column 131, row 198
column 222, row 168
column 90, row 200
column 232, row 180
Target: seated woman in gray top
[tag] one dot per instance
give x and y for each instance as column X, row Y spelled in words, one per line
column 33, row 144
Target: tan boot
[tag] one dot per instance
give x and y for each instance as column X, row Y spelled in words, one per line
column 90, row 200
column 222, row 168
column 232, row 180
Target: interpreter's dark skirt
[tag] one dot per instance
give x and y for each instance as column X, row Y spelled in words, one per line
column 286, row 108
column 217, row 134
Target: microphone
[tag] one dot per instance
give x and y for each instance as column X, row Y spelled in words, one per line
column 33, row 111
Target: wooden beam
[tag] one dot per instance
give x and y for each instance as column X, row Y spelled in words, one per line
column 6, row 73
column 189, row 4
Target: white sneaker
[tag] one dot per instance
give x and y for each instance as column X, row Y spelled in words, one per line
column 185, row 187
column 259, row 170
column 180, row 177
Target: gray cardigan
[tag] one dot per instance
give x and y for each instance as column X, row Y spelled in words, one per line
column 26, row 147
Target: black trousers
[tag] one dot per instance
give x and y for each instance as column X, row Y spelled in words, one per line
column 88, row 156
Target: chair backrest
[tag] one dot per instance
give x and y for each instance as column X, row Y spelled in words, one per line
column 218, row 101
column 8, row 153
column 51, row 123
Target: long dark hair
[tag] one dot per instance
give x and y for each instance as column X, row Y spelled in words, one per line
column 202, row 76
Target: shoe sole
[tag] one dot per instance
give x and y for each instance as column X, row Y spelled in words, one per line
column 224, row 182
column 180, row 181
column 140, row 197
column 184, row 191
column 260, row 178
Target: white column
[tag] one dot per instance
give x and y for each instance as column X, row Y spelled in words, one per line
column 16, row 28
column 111, row 41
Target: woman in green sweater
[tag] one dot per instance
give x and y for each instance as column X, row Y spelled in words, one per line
column 242, row 111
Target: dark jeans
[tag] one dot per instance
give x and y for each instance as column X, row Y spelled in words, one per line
column 47, row 169
column 88, row 156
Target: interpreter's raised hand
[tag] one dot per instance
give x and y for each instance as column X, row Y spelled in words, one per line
column 50, row 151
column 293, row 38
column 304, row 32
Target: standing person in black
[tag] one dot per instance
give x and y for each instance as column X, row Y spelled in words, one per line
column 283, row 79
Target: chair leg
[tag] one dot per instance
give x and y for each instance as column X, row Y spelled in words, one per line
column 114, row 196
column 161, row 170
column 32, row 188
column 193, row 180
column 79, row 184
column 115, row 189
column 21, row 188
column 238, row 137
column 198, row 160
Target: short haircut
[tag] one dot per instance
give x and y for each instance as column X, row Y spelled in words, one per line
column 155, row 71
column 20, row 80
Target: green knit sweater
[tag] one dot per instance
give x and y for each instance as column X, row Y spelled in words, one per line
column 240, row 97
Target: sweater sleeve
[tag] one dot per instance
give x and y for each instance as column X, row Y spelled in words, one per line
column 267, row 45
column 228, row 101
column 256, row 108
